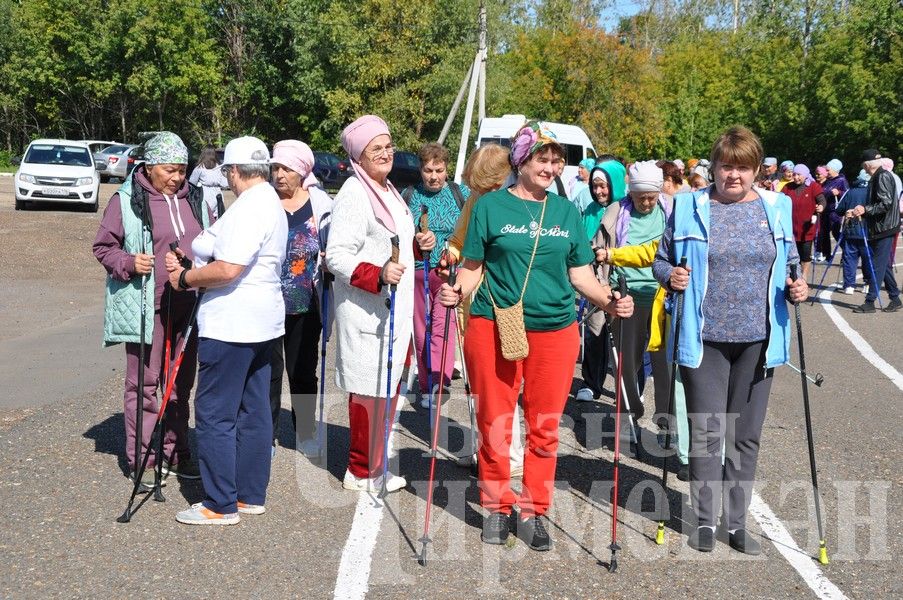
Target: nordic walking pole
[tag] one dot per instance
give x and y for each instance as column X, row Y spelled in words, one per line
column 427, row 315
column 142, row 353
column 324, row 339
column 469, row 395
column 390, row 304
column 434, row 441
column 822, row 548
column 581, row 306
column 871, row 264
column 158, row 426
column 829, row 265
column 614, row 547
column 615, row 356
column 678, row 315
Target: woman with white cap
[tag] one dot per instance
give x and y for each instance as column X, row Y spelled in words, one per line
column 638, row 219
column 370, row 219
column 307, row 210
column 834, row 187
column 237, row 261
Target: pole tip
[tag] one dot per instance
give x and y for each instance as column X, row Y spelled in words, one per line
column 660, row 535
column 823, row 554
column 124, row 517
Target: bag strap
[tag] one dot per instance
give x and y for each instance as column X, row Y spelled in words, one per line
column 456, row 192
column 532, row 257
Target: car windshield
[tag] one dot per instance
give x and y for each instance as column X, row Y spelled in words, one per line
column 57, row 154
column 115, row 149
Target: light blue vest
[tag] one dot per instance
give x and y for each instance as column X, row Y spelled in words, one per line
column 122, row 299
column 691, row 234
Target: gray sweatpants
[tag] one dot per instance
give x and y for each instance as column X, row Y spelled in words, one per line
column 727, row 397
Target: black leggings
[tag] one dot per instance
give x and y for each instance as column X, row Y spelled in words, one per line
column 296, row 352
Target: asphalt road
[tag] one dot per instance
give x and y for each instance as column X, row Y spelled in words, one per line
column 62, row 483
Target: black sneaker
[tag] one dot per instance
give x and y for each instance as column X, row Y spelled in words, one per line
column 741, row 541
column 683, row 472
column 534, row 534
column 894, row 306
column 865, row 307
column 703, row 539
column 495, row 528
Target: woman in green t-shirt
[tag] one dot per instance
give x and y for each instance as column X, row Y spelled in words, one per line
column 527, row 244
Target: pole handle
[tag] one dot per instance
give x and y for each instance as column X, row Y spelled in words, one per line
column 622, row 284
column 424, row 220
column 452, row 274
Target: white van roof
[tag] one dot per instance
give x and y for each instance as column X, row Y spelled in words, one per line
column 506, row 126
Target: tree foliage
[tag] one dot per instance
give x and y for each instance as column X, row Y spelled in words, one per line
column 815, row 78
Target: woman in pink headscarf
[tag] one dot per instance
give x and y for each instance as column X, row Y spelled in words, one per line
column 369, row 219
column 307, row 209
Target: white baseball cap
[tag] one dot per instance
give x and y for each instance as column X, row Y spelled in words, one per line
column 247, row 150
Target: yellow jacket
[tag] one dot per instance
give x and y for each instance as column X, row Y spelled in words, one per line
column 642, row 256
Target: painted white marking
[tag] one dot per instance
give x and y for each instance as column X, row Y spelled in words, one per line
column 804, row 564
column 859, row 342
column 353, row 579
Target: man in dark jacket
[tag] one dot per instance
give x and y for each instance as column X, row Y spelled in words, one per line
column 882, row 221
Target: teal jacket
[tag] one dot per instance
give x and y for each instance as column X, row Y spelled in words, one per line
column 687, row 235
column 122, row 299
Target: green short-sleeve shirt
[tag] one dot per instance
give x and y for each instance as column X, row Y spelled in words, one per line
column 500, row 236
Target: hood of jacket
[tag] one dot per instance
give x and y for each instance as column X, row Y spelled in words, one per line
column 614, row 173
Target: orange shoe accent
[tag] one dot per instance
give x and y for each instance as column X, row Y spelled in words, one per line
column 209, row 514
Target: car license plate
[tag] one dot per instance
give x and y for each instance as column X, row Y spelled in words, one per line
column 54, row 191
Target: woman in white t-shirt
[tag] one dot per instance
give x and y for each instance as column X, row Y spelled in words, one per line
column 368, row 213
column 208, row 176
column 238, row 262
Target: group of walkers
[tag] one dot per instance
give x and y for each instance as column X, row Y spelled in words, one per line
column 501, row 262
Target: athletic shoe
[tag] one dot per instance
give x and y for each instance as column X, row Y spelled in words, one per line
column 495, row 528
column 425, row 399
column 251, row 509
column 534, row 533
column 820, row 258
column 865, row 307
column 517, row 470
column 741, row 541
column 683, row 473
column 848, row 290
column 584, row 395
column 375, row 485
column 309, row 448
column 894, row 306
column 703, row 539
column 184, row 470
column 199, row 514
column 865, row 289
column 147, row 480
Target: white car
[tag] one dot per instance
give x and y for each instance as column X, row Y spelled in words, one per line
column 57, row 171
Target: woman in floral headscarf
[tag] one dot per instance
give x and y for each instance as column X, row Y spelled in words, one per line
column 531, row 247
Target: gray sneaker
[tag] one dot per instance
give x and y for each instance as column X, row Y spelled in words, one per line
column 198, row 514
column 894, row 306
column 183, row 470
column 147, row 479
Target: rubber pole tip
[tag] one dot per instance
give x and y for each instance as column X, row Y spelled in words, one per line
column 660, row 536
column 613, row 565
column 823, row 555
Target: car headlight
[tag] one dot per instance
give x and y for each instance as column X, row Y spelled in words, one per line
column 27, row 178
column 84, row 181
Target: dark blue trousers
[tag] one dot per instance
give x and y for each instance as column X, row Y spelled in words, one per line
column 234, row 425
column 881, row 250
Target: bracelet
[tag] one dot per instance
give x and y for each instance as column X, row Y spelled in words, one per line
column 183, row 285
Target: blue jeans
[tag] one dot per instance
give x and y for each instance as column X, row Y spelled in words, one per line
column 234, row 425
column 852, row 251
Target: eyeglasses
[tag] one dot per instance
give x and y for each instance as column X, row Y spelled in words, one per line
column 377, row 151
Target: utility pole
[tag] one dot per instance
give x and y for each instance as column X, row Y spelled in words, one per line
column 474, row 82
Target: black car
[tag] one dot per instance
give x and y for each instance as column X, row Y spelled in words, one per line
column 405, row 170
column 331, row 170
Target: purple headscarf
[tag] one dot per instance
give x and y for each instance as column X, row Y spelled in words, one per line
column 803, row 170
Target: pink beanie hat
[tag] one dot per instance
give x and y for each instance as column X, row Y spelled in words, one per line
column 298, row 157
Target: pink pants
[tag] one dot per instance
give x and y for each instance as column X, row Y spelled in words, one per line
column 438, row 313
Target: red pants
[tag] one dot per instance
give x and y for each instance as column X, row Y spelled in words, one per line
column 546, row 374
column 367, row 421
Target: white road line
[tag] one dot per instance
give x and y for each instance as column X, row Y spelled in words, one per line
column 353, row 579
column 803, row 563
column 859, row 342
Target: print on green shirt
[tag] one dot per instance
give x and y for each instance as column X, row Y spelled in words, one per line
column 499, row 235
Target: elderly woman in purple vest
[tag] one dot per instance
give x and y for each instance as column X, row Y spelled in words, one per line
column 158, row 199
column 370, row 219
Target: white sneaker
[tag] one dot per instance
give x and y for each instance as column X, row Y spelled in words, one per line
column 375, row 485
column 251, row 509
column 865, row 289
column 584, row 395
column 848, row 290
column 198, row 514
column 425, row 398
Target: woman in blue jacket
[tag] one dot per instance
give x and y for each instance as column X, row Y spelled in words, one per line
column 738, row 241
